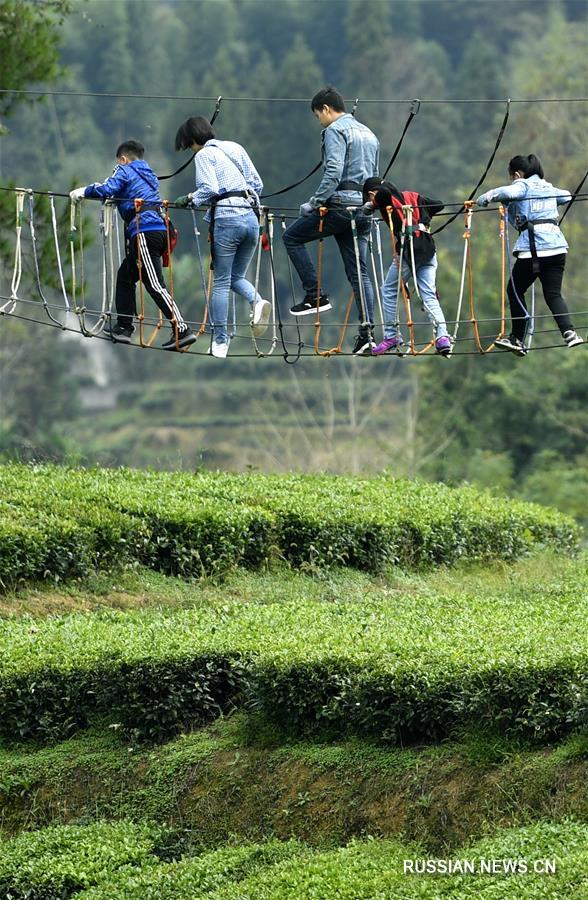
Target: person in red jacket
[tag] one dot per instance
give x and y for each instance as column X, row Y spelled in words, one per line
column 378, row 194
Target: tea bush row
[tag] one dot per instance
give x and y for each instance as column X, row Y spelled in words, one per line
column 105, row 861
column 401, row 668
column 61, row 523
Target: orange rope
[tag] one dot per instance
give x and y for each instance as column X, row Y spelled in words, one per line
column 502, row 229
column 405, row 293
column 339, row 347
column 319, row 270
column 141, row 316
column 467, row 235
column 171, row 273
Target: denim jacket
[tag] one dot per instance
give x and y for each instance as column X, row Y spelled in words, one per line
column 351, row 152
column 529, row 199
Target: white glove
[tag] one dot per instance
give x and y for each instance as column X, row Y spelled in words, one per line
column 306, row 209
column 77, row 194
column 484, row 199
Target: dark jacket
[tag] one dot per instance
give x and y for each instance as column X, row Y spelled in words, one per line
column 128, row 183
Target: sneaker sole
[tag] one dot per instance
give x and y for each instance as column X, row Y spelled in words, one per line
column 393, row 351
column 120, row 339
column 312, row 311
column 511, row 349
column 363, row 351
column 182, row 343
column 260, row 327
column 575, row 343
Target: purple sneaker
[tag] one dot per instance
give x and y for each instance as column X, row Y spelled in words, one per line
column 443, row 345
column 388, row 344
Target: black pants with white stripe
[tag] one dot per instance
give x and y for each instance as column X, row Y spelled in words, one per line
column 152, row 245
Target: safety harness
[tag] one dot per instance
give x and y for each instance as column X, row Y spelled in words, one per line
column 524, row 224
column 246, row 194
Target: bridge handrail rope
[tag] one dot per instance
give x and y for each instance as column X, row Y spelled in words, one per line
column 466, row 237
column 33, row 232
column 58, row 253
column 486, row 170
column 575, row 196
column 107, row 230
column 401, row 288
column 10, row 304
column 378, row 277
column 104, row 314
column 141, row 316
column 415, row 105
column 365, row 322
column 170, row 265
column 206, row 279
column 470, row 274
column 35, row 321
column 408, row 210
column 319, row 274
column 188, row 161
column 265, row 242
column 287, row 354
column 273, row 287
column 529, row 324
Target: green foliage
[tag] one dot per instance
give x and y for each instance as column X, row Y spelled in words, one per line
column 198, row 876
column 30, row 50
column 395, row 666
column 100, row 862
column 58, row 862
column 205, row 524
column 374, row 869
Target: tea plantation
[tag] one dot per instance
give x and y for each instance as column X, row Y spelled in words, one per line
column 248, row 686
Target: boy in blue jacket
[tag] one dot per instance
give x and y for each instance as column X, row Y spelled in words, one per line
column 131, row 180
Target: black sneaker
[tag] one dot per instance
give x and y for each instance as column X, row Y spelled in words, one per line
column 364, row 344
column 184, row 340
column 512, row 343
column 309, row 305
column 121, row 334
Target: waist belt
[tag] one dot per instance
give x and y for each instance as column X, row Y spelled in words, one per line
column 213, row 204
column 349, row 186
column 530, row 227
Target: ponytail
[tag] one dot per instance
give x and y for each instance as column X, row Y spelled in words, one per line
column 528, row 165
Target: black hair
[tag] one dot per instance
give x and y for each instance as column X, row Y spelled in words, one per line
column 376, row 184
column 528, row 165
column 130, row 148
column 196, row 130
column 328, row 96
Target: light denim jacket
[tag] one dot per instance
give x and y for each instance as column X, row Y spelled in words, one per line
column 532, row 198
column 351, row 152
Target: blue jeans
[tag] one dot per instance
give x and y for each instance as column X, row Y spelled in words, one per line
column 235, row 240
column 337, row 222
column 425, row 275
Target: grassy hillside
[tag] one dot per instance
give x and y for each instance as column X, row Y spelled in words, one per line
column 341, row 675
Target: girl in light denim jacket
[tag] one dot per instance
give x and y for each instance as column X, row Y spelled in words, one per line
column 540, row 250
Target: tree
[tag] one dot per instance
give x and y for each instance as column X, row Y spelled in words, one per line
column 30, row 46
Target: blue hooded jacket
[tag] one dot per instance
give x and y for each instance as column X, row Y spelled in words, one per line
column 133, row 181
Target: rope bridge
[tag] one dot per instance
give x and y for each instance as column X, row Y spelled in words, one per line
column 73, row 315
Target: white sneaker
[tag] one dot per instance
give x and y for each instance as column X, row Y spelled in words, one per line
column 219, row 349
column 260, row 316
column 572, row 339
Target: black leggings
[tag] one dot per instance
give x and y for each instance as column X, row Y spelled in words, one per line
column 551, row 270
